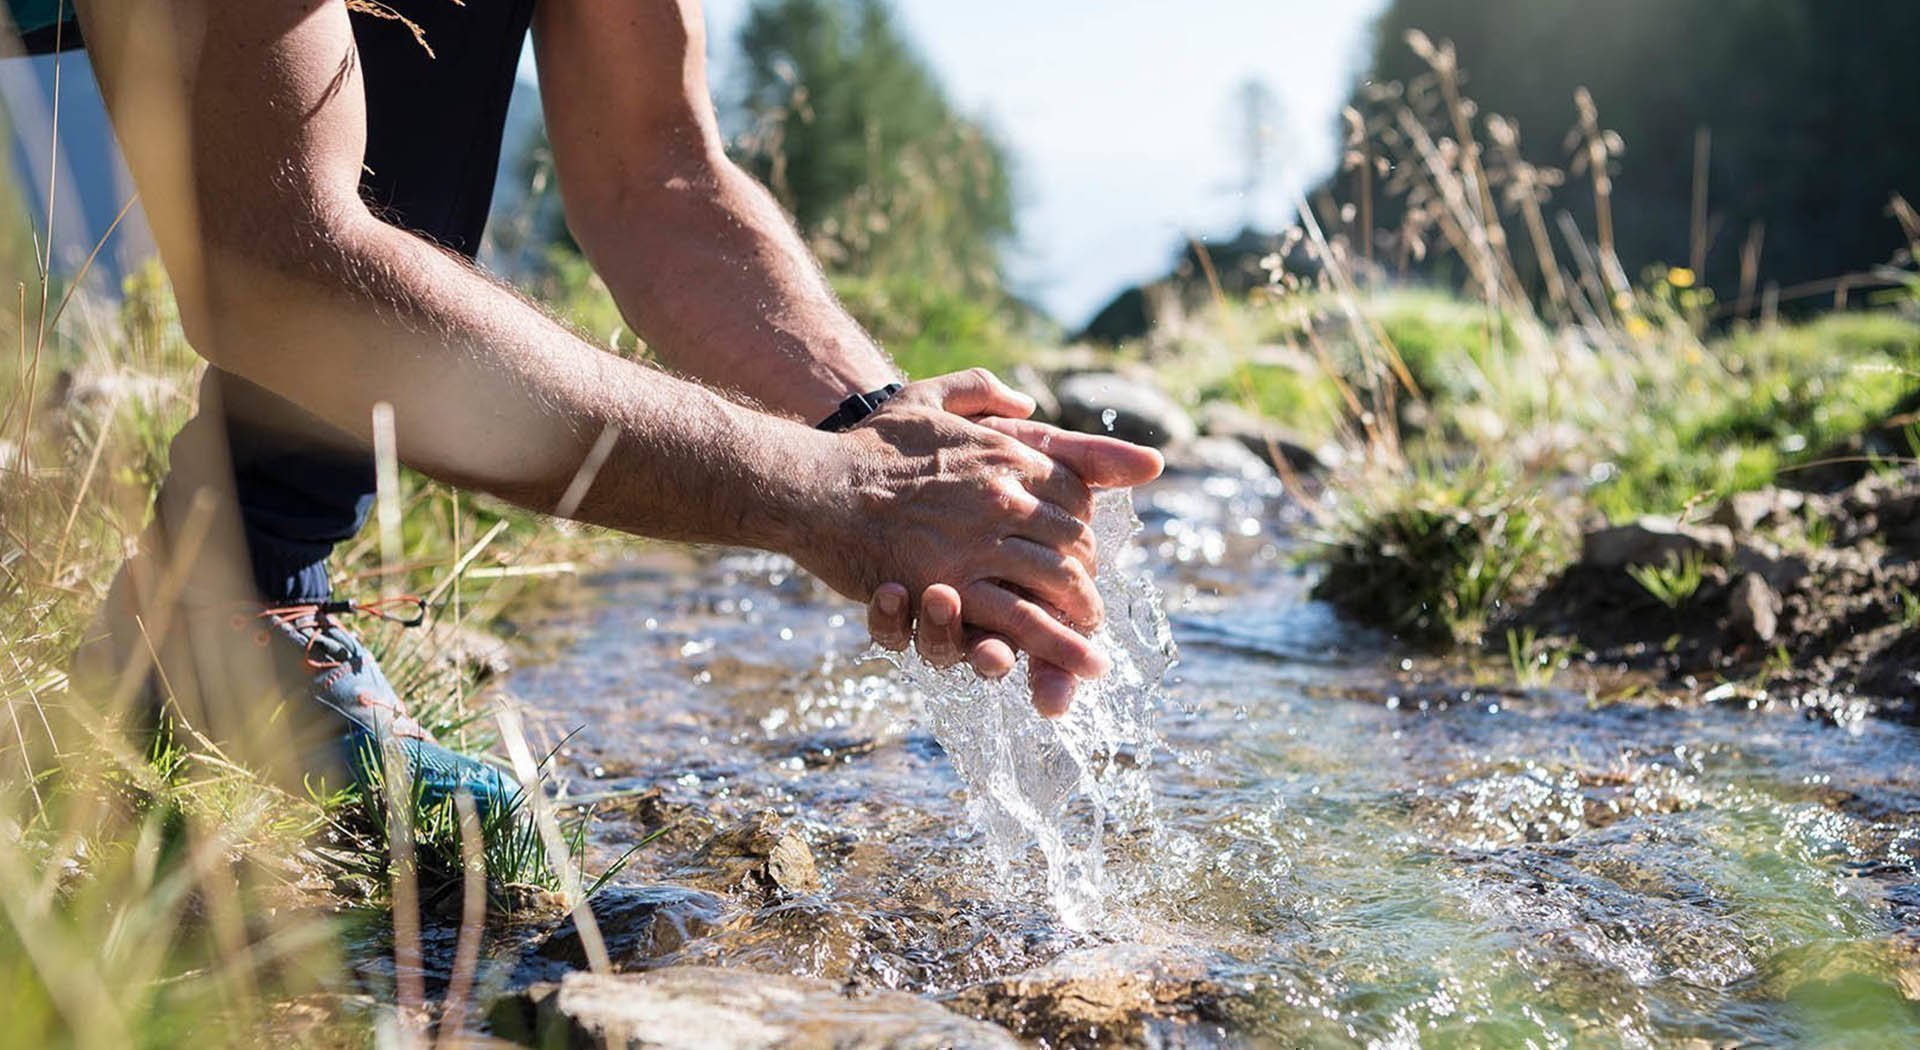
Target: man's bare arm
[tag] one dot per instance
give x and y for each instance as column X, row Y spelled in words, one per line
column 705, row 266
column 244, row 124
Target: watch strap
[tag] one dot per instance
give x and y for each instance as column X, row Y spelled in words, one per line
column 858, row 407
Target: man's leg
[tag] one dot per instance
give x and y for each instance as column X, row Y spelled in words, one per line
column 433, row 145
column 260, row 491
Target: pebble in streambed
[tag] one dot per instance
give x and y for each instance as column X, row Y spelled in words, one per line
column 1059, row 783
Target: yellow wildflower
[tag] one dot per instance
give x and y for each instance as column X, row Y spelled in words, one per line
column 1681, row 277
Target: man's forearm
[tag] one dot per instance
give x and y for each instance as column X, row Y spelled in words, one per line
column 711, row 273
column 489, row 393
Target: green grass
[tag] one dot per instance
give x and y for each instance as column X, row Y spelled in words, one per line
column 1674, row 582
column 1758, row 403
column 152, row 895
column 1432, row 559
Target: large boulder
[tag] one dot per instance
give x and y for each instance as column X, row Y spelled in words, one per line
column 709, row 1008
column 1654, row 541
column 1128, row 408
column 1218, row 456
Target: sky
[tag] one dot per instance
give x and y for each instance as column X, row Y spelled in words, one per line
column 1121, row 119
column 1120, row 116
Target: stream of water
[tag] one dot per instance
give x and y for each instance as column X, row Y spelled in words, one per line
column 1366, row 848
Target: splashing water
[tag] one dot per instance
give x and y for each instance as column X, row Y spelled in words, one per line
column 1057, row 783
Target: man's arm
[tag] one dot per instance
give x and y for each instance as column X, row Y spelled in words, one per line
column 244, row 124
column 702, row 262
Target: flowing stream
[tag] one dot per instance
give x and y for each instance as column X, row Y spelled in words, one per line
column 1365, row 848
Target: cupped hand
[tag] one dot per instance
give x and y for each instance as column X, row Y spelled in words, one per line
column 943, row 640
column 921, row 494
column 941, row 631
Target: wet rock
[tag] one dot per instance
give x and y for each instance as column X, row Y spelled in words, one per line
column 1753, row 612
column 1273, row 442
column 1744, row 512
column 697, row 1007
column 765, row 855
column 1113, row 995
column 639, row 924
column 1139, row 411
column 1218, row 455
column 1782, row 571
column 1652, row 541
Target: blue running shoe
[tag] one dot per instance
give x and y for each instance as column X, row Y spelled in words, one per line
column 348, row 685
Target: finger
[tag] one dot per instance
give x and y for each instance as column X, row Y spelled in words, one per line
column 977, row 392
column 1102, row 462
column 1049, row 526
column 1028, row 626
column 1053, row 576
column 1052, row 687
column 1057, row 484
column 887, row 617
column 990, row 655
column 938, row 636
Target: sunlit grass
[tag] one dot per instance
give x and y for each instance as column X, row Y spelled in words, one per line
column 153, row 889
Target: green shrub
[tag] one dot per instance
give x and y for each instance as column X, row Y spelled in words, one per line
column 1432, row 560
column 931, row 330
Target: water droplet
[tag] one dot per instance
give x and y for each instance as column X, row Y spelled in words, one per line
column 1107, row 416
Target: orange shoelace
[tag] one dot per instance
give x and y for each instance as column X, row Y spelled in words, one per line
column 321, row 613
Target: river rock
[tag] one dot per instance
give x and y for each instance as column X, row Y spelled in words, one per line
column 1652, row 541
column 1140, row 412
column 1784, row 571
column 1753, row 612
column 639, row 924
column 1108, row 996
column 765, row 855
column 709, row 1008
column 1745, row 511
column 1271, row 441
column 1218, row 455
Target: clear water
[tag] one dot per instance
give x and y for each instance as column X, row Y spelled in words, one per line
column 1056, row 784
column 1370, row 850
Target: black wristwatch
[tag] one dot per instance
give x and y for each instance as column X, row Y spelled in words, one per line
column 857, row 408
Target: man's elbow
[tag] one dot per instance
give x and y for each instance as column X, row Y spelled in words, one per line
column 245, row 290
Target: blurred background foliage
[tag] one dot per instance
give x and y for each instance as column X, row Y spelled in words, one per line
column 1806, row 103
column 908, row 202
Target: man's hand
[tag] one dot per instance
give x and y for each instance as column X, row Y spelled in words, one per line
column 943, row 635
column 919, row 493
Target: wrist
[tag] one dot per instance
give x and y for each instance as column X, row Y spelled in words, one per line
column 809, row 490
